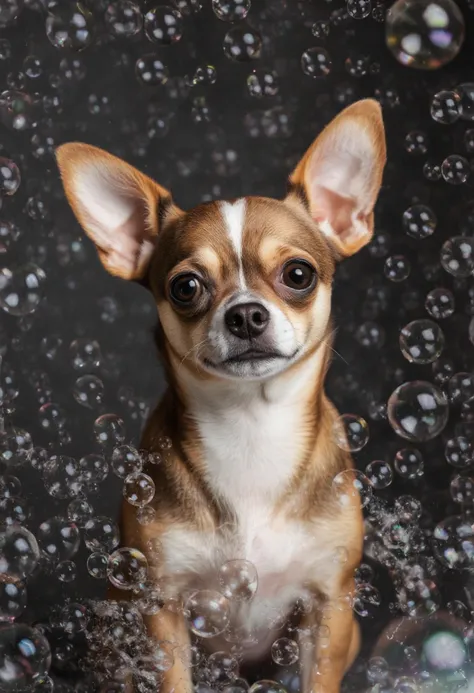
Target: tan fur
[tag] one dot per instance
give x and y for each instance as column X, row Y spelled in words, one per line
column 227, row 468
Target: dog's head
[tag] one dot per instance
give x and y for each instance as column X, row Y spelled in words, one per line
column 242, row 287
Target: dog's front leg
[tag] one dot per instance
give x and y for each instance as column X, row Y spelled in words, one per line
column 169, row 626
column 329, row 643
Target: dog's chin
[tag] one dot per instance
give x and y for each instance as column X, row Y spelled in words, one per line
column 259, row 368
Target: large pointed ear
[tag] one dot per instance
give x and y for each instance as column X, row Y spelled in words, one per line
column 119, row 208
column 341, row 174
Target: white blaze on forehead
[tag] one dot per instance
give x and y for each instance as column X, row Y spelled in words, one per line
column 234, row 217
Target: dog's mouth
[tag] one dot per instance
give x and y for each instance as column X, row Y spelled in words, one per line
column 253, row 355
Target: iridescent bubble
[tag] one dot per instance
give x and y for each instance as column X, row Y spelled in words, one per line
column 66, row 571
column 10, row 177
column 85, row 354
column 446, row 107
column 418, row 411
column 379, row 473
column 419, row 221
column 19, row 554
column 61, row 476
column 459, row 452
column 13, row 599
column 207, row 612
column 164, row 25
column 352, row 486
column 25, row 655
column 21, row 289
column 421, row 341
column 71, row 29
column 126, row 460
column 138, row 489
column 455, row 169
column 457, row 256
column 440, row 303
column 462, row 490
column 89, row 391
column 426, row 34
column 285, row 652
column 206, row 74
column 407, row 508
column 123, row 18
column 263, row 82
column 419, row 598
column 316, row 62
column 453, row 542
column 242, row 43
column 397, row 268
column 59, row 539
column 109, row 430
column 351, row 432
column 151, row 71
column 367, row 600
column 52, row 418
column 466, row 92
column 266, row 686
column 101, row 534
column 238, row 580
column 16, row 110
column 359, row 9
column 98, row 565
column 127, row 568
column 445, row 651
column 231, row 10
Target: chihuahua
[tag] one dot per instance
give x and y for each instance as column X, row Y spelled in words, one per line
column 243, row 292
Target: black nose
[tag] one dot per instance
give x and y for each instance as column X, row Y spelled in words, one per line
column 247, row 320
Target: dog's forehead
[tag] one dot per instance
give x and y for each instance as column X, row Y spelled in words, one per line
column 246, row 230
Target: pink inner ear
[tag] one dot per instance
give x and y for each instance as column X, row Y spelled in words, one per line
column 337, row 210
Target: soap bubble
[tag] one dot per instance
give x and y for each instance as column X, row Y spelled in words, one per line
column 459, row 452
column 440, row 303
column 89, row 391
column 85, row 354
column 266, row 686
column 453, row 542
column 409, row 463
column 351, row 485
column 13, row 599
column 446, row 107
column 460, row 387
column 445, row 651
column 207, row 612
column 98, row 565
column 432, row 171
column 359, row 9
column 71, row 29
column 231, row 10
column 367, row 600
column 419, row 598
column 127, row 568
column 263, row 82
column 109, row 430
column 59, row 539
column 206, row 74
column 397, row 268
column 407, row 508
column 52, row 417
column 357, row 65
column 164, row 25
column 61, row 476
column 151, row 71
column 66, row 571
column 10, row 177
column 138, row 489
column 457, row 256
column 16, row 447
column 238, row 580
column 316, row 62
column 462, row 490
column 419, row 221
column 21, row 289
column 321, row 29
column 93, row 469
column 123, row 18
column 16, row 110
column 285, row 652
column 19, row 554
column 455, row 169
column 421, row 341
column 25, row 655
column 380, row 474
column 126, row 460
column 242, row 43
column 417, row 411
column 377, row 670
column 466, row 92
column 425, row 34
column 351, row 432
column 416, row 143
column 101, row 534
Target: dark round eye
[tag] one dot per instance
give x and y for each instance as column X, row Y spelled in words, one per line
column 299, row 275
column 185, row 288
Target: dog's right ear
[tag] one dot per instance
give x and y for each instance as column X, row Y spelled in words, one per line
column 119, row 207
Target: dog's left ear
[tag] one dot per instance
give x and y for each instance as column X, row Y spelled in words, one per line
column 341, row 174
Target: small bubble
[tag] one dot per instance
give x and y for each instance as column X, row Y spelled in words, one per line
column 207, row 612
column 446, row 107
column 242, row 43
column 285, row 652
column 455, row 169
column 127, row 568
column 123, row 18
column 238, row 580
column 231, row 10
column 351, row 432
column 352, row 485
column 380, row 474
column 138, row 489
column 419, row 221
column 151, row 71
column 397, row 268
column 440, row 303
column 164, row 25
column 421, row 341
column 97, row 565
column 457, row 256
column 417, row 411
